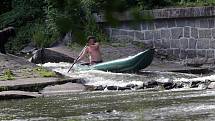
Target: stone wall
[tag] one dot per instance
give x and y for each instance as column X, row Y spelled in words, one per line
column 180, row 32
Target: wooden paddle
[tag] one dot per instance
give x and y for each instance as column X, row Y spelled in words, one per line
column 76, row 60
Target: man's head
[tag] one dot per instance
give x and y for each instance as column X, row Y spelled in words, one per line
column 91, row 40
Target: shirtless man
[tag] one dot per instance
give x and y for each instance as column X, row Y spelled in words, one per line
column 93, row 50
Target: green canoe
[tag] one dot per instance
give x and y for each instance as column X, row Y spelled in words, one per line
column 129, row 64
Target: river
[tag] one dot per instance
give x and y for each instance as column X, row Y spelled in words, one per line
column 145, row 104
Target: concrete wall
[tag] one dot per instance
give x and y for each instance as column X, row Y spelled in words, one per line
column 180, row 32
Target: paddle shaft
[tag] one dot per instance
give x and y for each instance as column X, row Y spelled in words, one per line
column 77, row 59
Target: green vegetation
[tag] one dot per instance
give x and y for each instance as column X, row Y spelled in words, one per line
column 7, row 75
column 43, row 22
column 44, row 72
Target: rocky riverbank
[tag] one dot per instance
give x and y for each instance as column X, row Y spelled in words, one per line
column 17, row 74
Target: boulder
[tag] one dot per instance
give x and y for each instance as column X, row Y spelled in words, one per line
column 45, row 55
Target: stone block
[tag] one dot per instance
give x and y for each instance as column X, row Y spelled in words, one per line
column 143, row 26
column 165, row 33
column 130, row 33
column 177, row 33
column 175, row 43
column 212, row 44
column 183, row 54
column 190, row 22
column 191, row 53
column 197, row 23
column 134, row 26
column 160, row 24
column 194, row 33
column 180, row 22
column 139, row 35
column 170, row 52
column 123, row 32
column 210, row 53
column 205, row 33
column 184, row 43
column 213, row 33
column 176, row 53
column 165, row 43
column 158, row 44
column 148, row 43
column 115, row 32
column 203, row 43
column 187, row 32
column 149, row 35
column 171, row 23
column 151, row 26
column 197, row 11
column 204, row 23
column 201, row 53
column 211, row 23
column 157, row 35
column 192, row 43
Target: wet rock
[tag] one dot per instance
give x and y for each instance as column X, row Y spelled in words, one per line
column 195, row 84
column 5, row 95
column 211, row 85
column 150, row 84
column 99, row 88
column 117, row 88
column 169, row 85
column 46, row 55
column 28, row 50
column 131, row 85
column 63, row 88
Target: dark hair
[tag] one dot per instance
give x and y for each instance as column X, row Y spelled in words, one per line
column 91, row 37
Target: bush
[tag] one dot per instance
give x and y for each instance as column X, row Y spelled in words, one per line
column 42, row 38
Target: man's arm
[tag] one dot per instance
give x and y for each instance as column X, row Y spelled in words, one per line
column 83, row 54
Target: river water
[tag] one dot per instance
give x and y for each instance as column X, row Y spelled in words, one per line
column 136, row 105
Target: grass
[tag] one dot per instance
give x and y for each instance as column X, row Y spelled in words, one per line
column 7, row 75
column 44, row 72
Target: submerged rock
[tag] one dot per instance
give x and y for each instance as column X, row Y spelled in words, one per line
column 46, row 55
column 5, row 95
column 63, row 88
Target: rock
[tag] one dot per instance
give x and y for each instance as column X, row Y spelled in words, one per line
column 131, row 85
column 46, row 55
column 117, row 88
column 5, row 95
column 150, row 84
column 211, row 85
column 28, row 49
column 99, row 88
column 63, row 88
column 169, row 85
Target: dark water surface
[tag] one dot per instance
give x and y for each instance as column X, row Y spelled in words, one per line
column 115, row 105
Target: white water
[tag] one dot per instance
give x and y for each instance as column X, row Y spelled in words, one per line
column 97, row 78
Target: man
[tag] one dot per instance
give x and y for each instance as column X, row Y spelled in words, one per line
column 93, row 50
column 5, row 34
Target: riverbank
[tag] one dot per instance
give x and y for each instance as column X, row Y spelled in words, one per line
column 26, row 76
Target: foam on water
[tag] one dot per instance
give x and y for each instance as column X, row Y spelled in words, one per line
column 97, row 78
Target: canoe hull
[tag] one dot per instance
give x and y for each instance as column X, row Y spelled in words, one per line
column 130, row 64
